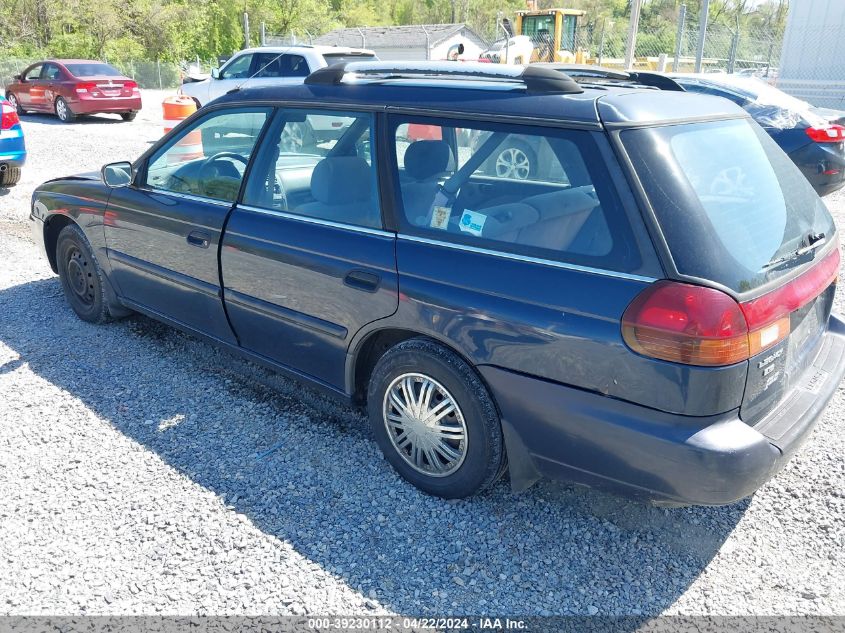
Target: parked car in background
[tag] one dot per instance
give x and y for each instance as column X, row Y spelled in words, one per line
column 12, row 146
column 73, row 87
column 513, row 50
column 556, row 327
column 813, row 138
column 268, row 66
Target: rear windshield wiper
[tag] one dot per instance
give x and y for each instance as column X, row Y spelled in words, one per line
column 808, row 244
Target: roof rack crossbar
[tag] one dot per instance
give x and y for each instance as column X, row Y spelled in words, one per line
column 534, row 78
column 585, row 72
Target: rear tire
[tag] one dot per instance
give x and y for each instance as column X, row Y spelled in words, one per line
column 465, row 453
column 81, row 276
column 128, row 116
column 63, row 111
column 10, row 177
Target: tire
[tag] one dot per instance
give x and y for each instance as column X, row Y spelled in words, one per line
column 63, row 111
column 10, row 177
column 515, row 160
column 128, row 116
column 477, row 456
column 13, row 100
column 81, row 276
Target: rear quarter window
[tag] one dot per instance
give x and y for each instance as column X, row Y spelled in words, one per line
column 536, row 192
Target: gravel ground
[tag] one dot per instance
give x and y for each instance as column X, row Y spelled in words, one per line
column 145, row 472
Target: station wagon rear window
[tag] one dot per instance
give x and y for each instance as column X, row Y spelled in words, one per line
column 733, row 207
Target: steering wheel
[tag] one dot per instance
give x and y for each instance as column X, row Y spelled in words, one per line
column 218, row 157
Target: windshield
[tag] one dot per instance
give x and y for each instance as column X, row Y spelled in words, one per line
column 94, row 69
column 733, row 207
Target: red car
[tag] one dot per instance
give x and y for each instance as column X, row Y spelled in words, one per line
column 70, row 87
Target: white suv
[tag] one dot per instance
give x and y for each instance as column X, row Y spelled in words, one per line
column 269, row 66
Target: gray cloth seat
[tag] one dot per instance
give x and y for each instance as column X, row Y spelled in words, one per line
column 549, row 220
column 342, row 188
column 425, row 162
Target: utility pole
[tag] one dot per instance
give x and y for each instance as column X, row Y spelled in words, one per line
column 679, row 38
column 633, row 27
column 702, row 34
column 246, row 29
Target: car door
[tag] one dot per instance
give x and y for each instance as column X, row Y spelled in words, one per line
column 163, row 231
column 50, row 80
column 305, row 261
column 29, row 81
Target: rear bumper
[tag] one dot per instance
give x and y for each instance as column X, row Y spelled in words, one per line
column 559, row 432
column 12, row 147
column 93, row 105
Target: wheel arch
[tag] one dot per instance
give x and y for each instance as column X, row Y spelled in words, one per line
column 52, row 227
column 375, row 343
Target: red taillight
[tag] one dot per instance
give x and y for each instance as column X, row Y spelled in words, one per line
column 686, row 324
column 86, row 86
column 130, row 85
column 829, row 134
column 8, row 116
column 694, row 325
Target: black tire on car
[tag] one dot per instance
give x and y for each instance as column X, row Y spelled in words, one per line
column 450, row 418
column 515, row 160
column 128, row 116
column 63, row 111
column 10, row 176
column 81, row 276
column 13, row 100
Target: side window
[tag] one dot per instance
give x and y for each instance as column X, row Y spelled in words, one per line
column 238, row 68
column 209, row 158
column 540, row 193
column 268, row 65
column 294, row 66
column 50, row 72
column 34, row 73
column 319, row 164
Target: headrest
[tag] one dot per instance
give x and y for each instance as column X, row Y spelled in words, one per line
column 341, row 179
column 424, row 159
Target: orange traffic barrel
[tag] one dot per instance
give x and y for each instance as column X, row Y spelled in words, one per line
column 176, row 109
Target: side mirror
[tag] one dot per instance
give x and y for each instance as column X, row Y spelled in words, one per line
column 117, row 174
column 215, row 73
column 17, row 77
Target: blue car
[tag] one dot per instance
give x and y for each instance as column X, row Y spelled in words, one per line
column 649, row 313
column 12, row 147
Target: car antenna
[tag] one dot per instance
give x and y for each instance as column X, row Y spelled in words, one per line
column 245, row 81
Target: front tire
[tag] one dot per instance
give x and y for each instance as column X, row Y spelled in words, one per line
column 435, row 421
column 63, row 111
column 81, row 276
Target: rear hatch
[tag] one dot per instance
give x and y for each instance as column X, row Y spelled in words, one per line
column 738, row 216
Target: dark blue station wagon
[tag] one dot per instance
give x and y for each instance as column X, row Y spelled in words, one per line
column 648, row 311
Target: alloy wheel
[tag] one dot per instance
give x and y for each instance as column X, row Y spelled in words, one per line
column 512, row 162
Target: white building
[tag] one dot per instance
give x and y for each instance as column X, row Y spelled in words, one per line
column 414, row 42
column 812, row 65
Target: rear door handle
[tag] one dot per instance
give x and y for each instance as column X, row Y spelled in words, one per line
column 198, row 239
column 362, row 280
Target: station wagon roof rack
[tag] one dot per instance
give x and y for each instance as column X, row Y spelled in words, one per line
column 535, row 78
column 586, row 73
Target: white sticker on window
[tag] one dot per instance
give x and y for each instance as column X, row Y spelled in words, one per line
column 440, row 217
column 473, row 222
